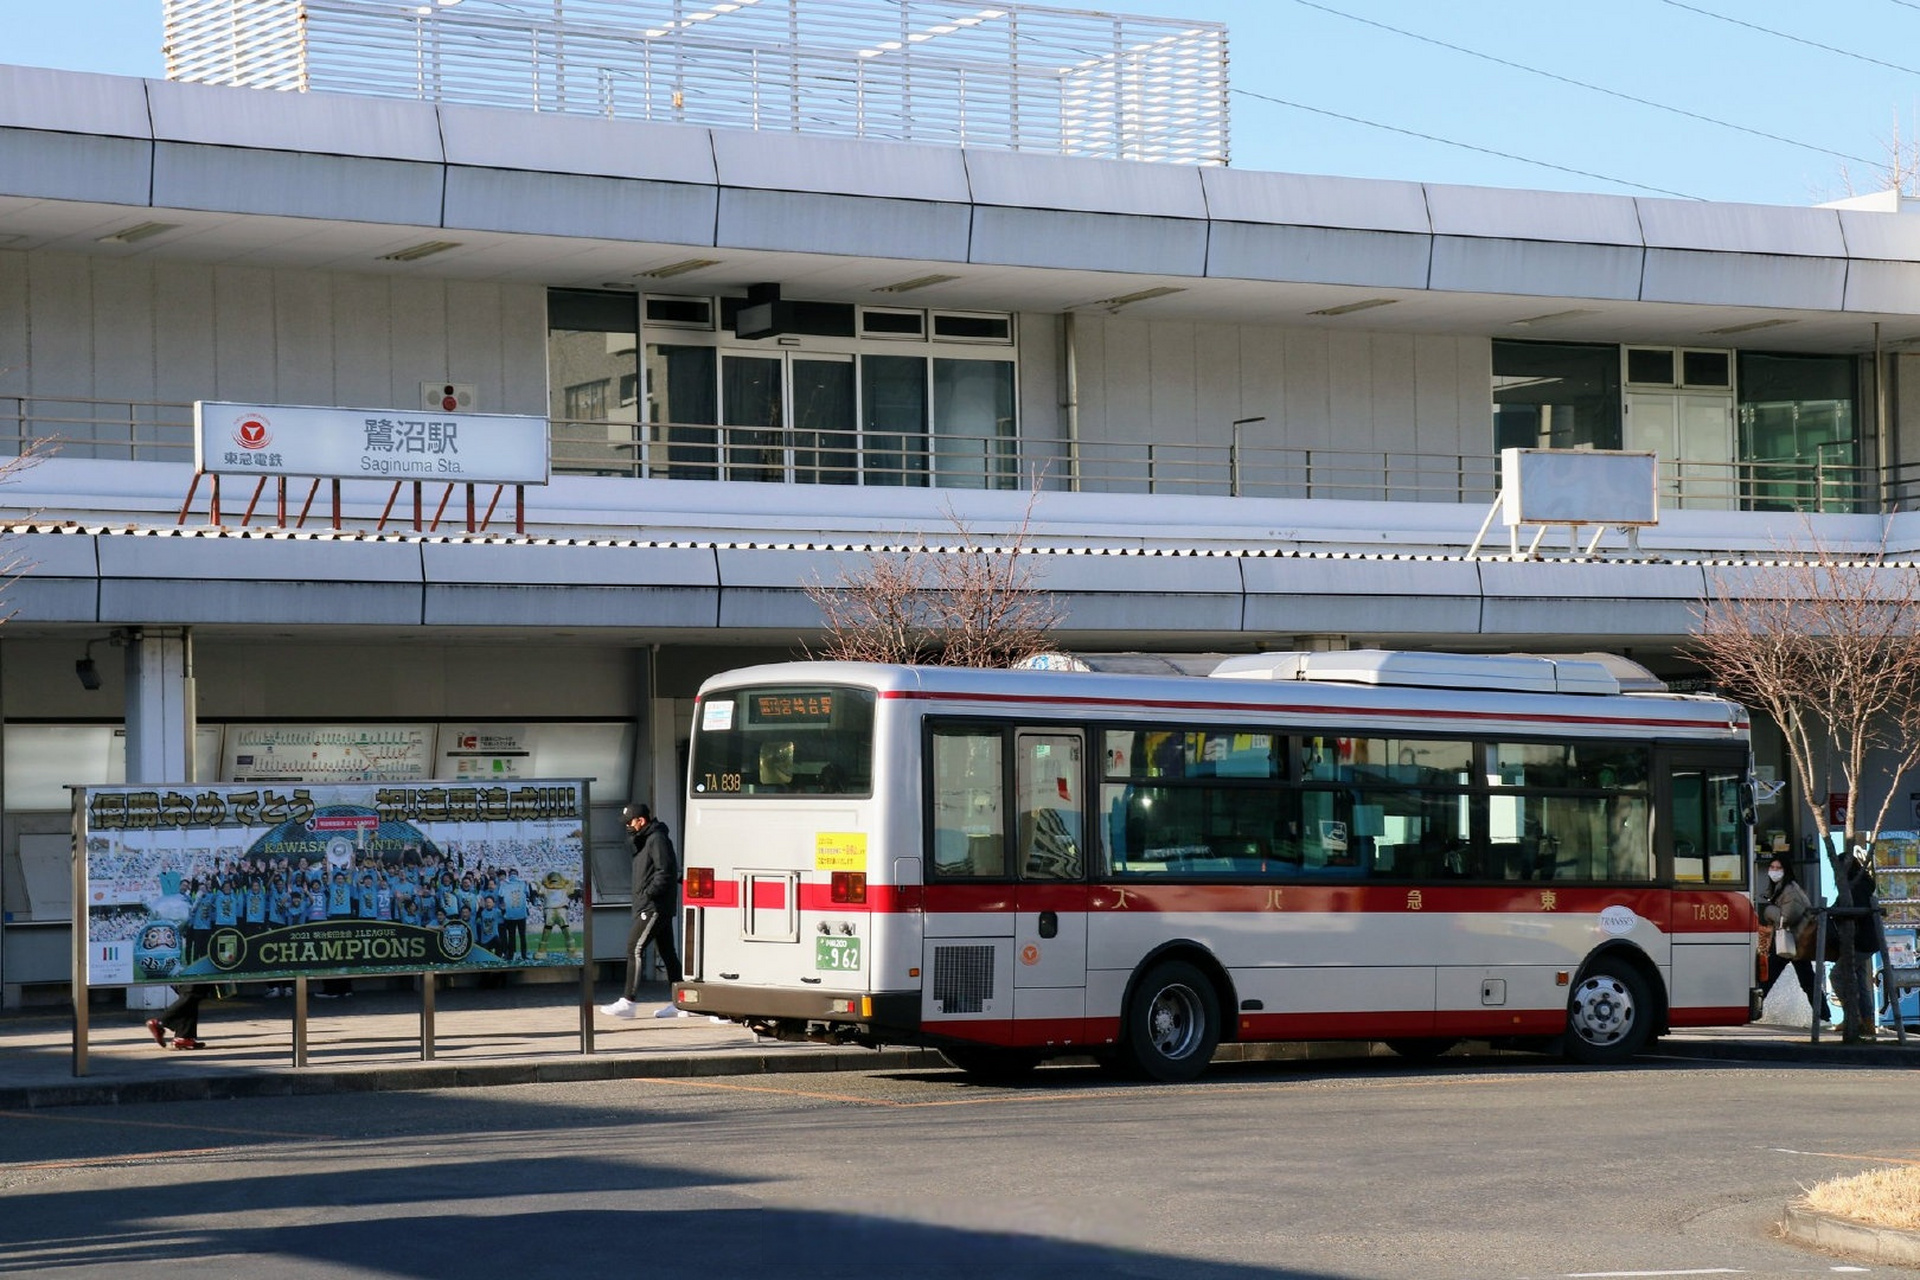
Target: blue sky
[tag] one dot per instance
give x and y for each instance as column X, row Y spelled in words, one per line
column 1833, row 110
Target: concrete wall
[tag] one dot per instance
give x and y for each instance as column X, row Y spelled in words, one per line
column 1147, row 381
column 106, row 329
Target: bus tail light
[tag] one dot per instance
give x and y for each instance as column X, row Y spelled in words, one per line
column 699, row 882
column 849, row 886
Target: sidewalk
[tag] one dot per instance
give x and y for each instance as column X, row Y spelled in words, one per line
column 370, row 1041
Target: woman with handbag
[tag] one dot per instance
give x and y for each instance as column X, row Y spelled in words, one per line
column 1785, row 911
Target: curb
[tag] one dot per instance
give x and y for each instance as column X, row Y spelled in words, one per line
column 288, row 1082
column 1855, row 1239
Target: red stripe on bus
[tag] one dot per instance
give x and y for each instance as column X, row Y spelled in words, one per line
column 1297, row 709
column 1684, row 911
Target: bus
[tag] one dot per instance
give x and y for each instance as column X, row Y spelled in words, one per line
column 1418, row 849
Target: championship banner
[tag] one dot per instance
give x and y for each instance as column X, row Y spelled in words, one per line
column 242, row 883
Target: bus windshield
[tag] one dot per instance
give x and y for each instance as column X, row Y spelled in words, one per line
column 784, row 740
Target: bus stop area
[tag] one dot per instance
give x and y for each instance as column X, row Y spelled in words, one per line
column 372, row 1041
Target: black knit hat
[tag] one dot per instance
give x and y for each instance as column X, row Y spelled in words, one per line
column 633, row 811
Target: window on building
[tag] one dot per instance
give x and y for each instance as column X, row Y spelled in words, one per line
column 906, row 397
column 1555, row 395
column 592, row 348
column 1798, row 432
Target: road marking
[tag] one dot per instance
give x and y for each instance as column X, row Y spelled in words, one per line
column 121, row 1123
column 1619, row 1275
column 1028, row 1095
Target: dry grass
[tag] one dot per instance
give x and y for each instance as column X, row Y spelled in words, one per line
column 1879, row 1198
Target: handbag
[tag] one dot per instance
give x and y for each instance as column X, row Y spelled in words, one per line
column 1784, row 944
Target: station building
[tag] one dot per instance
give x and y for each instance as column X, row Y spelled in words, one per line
column 785, row 304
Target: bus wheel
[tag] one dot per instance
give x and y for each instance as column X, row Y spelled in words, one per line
column 1608, row 1015
column 1173, row 1023
column 1424, row 1049
column 989, row 1063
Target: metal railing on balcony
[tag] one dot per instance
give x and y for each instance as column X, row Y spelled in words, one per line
column 1013, row 76
column 160, row 431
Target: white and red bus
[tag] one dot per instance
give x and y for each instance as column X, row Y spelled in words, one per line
column 1369, row 845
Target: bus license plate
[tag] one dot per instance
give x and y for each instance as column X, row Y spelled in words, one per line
column 841, row 955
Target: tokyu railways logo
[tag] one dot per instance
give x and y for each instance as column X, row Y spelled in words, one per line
column 253, row 432
column 1618, row 921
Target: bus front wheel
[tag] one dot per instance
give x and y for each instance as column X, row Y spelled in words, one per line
column 1173, row 1023
column 1609, row 1015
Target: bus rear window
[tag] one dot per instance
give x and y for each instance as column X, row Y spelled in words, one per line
column 784, row 740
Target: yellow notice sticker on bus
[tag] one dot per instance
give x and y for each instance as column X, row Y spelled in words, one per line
column 840, row 851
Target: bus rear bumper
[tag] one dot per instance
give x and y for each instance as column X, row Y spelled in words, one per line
column 839, row 1017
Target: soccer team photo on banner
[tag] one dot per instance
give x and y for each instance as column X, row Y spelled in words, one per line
column 233, row 883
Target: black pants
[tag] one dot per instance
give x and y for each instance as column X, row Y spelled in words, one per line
column 652, row 926
column 182, row 1017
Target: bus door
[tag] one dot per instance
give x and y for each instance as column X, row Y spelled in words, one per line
column 1050, row 896
column 1706, row 848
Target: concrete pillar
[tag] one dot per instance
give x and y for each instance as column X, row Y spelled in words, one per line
column 161, row 719
column 160, row 706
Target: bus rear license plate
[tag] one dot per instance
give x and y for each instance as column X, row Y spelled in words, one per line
column 841, row 955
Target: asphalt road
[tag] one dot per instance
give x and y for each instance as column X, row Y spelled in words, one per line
column 1496, row 1167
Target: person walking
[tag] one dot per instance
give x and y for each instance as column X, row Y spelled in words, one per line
column 181, row 1020
column 656, row 884
column 1784, row 904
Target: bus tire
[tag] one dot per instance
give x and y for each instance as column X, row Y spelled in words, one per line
column 1609, row 1014
column 1420, row 1049
column 990, row 1063
column 1173, row 1023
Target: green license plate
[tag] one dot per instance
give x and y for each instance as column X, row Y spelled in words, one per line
column 841, row 955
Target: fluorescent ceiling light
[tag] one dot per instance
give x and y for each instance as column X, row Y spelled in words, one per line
column 415, row 252
column 1573, row 314
column 680, row 268
column 1143, row 295
column 1347, row 309
column 1751, row 325
column 139, row 231
column 918, row 282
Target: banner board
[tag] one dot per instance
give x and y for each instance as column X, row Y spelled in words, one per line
column 241, row 882
column 1579, row 486
column 369, row 444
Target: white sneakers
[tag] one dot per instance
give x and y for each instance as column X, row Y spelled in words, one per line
column 625, row 1008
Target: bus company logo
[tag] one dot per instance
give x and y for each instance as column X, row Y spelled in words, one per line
column 1030, row 955
column 253, row 432
column 227, row 949
column 1618, row 921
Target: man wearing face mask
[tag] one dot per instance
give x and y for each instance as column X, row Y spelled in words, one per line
column 1785, row 904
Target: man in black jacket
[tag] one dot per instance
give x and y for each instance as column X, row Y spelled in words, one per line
column 656, row 885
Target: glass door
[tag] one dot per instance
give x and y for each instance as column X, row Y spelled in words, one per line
column 1050, row 927
column 762, row 394
column 751, row 409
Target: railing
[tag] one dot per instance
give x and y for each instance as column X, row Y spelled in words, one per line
column 1013, row 76
column 158, row 431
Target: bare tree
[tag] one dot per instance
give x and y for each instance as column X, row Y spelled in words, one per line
column 1899, row 170
column 968, row 605
column 1828, row 646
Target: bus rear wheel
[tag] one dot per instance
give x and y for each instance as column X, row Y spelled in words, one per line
column 989, row 1063
column 1173, row 1023
column 1609, row 1015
